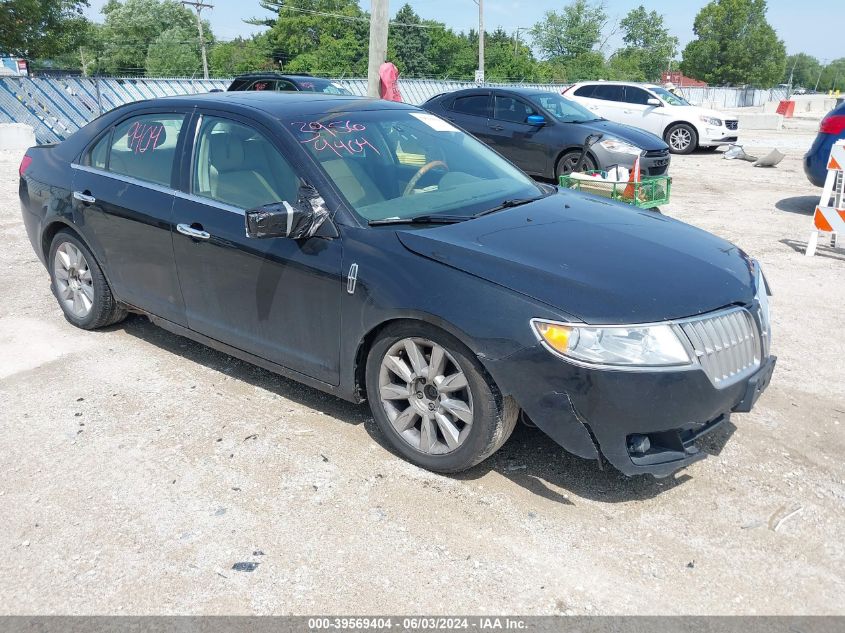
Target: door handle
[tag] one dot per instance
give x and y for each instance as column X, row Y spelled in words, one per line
column 197, row 234
column 84, row 197
column 498, row 128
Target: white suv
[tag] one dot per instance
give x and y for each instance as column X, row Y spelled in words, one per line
column 650, row 107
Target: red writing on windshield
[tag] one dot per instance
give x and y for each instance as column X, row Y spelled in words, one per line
column 144, row 136
column 341, row 137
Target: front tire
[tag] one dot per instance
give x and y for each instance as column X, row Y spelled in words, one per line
column 433, row 401
column 681, row 138
column 568, row 161
column 79, row 285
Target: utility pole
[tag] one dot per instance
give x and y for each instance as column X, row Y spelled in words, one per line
column 378, row 44
column 481, row 40
column 199, row 5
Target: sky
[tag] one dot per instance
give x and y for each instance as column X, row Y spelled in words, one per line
column 808, row 26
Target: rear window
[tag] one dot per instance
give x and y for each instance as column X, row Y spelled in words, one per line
column 477, row 105
column 144, row 147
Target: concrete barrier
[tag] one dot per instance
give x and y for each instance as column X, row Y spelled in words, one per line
column 760, row 121
column 16, row 136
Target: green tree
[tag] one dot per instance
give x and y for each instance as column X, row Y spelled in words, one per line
column 35, row 29
column 569, row 41
column 833, row 76
column 240, row 55
column 314, row 28
column 574, row 31
column 131, row 27
column 803, row 69
column 174, row 53
column 648, row 45
column 453, row 55
column 410, row 41
column 505, row 59
column 734, row 45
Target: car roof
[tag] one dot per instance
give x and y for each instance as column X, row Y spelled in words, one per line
column 282, row 105
column 275, row 74
column 616, row 83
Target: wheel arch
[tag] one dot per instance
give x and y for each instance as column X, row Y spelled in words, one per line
column 48, row 234
column 365, row 344
column 567, row 150
column 679, row 122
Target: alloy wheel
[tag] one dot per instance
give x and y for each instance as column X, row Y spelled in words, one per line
column 426, row 397
column 74, row 283
column 680, row 139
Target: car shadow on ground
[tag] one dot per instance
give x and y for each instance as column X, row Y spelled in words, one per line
column 529, row 458
column 803, row 205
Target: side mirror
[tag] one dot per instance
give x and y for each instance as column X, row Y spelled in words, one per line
column 536, row 119
column 654, row 102
column 283, row 219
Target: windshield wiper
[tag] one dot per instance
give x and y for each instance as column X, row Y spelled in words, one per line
column 422, row 219
column 509, row 204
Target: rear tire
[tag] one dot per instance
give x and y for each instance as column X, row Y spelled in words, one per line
column 417, row 378
column 79, row 285
column 681, row 138
column 567, row 162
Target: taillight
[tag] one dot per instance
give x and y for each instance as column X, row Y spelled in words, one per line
column 833, row 124
column 26, row 161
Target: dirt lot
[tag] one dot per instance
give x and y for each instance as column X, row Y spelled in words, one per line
column 137, row 467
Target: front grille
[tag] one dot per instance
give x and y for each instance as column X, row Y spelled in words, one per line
column 727, row 345
column 732, row 125
column 657, row 153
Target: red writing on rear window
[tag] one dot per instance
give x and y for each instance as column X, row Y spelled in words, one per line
column 145, row 136
column 341, row 137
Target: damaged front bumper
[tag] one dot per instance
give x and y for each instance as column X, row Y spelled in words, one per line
column 644, row 422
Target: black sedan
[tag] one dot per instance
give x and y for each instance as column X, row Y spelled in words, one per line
column 374, row 251
column 543, row 133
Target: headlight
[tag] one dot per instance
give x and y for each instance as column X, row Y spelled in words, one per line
column 620, row 147
column 619, row 346
column 763, row 310
column 709, row 120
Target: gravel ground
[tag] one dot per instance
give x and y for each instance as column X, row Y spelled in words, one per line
column 138, row 467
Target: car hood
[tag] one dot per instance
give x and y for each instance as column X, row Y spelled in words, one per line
column 694, row 112
column 635, row 136
column 599, row 261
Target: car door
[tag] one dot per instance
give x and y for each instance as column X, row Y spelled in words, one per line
column 471, row 112
column 606, row 100
column 276, row 298
column 124, row 197
column 638, row 112
column 512, row 136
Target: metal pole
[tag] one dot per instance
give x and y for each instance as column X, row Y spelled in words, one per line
column 481, row 38
column 378, row 44
column 199, row 6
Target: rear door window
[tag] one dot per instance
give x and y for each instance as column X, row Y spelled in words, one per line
column 609, row 92
column 475, row 105
column 144, row 147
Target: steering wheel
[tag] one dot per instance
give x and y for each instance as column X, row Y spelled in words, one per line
column 422, row 171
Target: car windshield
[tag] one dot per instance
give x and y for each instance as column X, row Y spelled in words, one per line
column 321, row 85
column 404, row 164
column 670, row 98
column 563, row 109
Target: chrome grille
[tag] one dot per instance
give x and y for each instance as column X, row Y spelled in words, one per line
column 727, row 345
column 732, row 125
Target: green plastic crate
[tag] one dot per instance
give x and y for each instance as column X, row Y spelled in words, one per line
column 650, row 192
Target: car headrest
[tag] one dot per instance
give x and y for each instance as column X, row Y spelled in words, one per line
column 226, row 151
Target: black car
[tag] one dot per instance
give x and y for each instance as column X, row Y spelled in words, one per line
column 543, row 133
column 374, row 251
column 277, row 82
